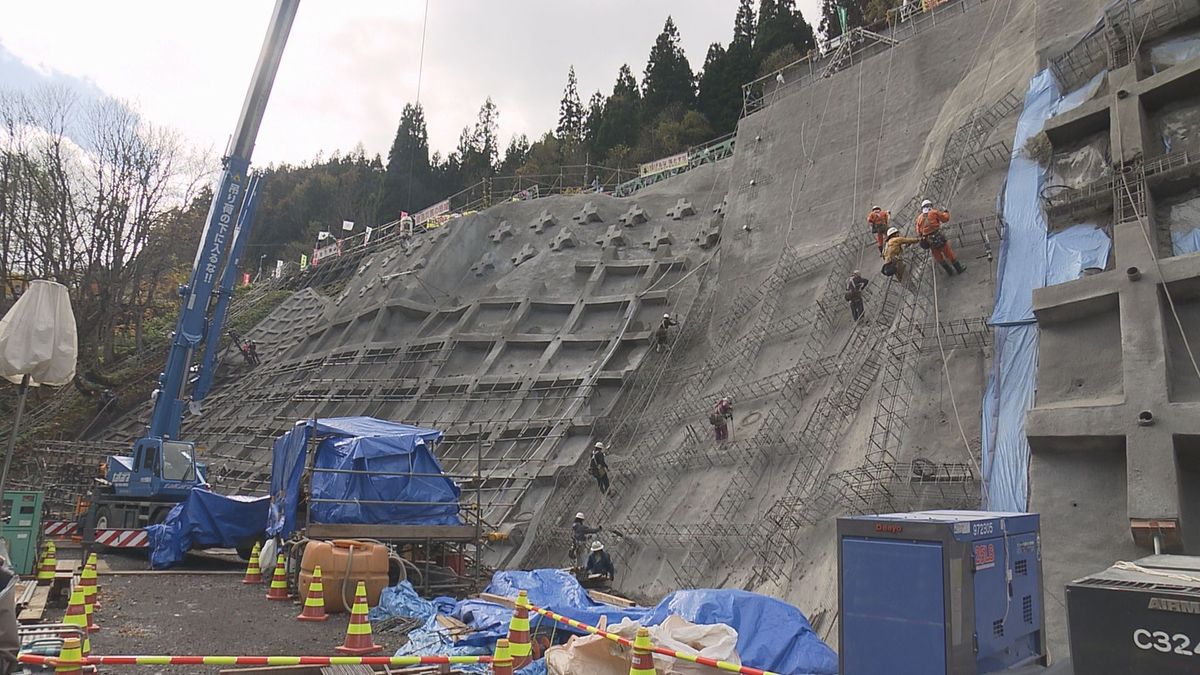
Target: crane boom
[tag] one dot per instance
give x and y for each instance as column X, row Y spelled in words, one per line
column 163, row 468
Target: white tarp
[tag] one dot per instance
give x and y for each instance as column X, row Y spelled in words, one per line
column 596, row 655
column 37, row 336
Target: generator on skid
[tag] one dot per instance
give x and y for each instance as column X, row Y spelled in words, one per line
column 953, row 592
column 1135, row 618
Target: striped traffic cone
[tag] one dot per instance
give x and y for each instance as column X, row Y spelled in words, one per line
column 69, row 658
column 92, row 562
column 253, row 571
column 358, row 633
column 48, row 567
column 87, row 585
column 88, row 605
column 502, row 663
column 77, row 616
column 518, row 633
column 643, row 660
column 314, row 601
column 278, row 590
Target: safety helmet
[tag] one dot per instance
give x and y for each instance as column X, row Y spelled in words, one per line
column 666, row 316
column 892, row 231
column 579, row 516
column 876, row 208
column 855, row 273
column 597, row 546
column 926, row 203
column 598, row 446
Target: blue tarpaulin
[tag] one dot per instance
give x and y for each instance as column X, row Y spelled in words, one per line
column 1185, row 242
column 1075, row 249
column 206, row 519
column 772, row 634
column 1029, row 259
column 402, row 471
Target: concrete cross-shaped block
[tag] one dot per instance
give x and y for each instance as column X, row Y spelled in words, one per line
column 710, row 237
column 682, row 209
column 614, row 236
column 413, row 245
column 587, row 214
column 634, row 216
column 527, row 252
column 485, row 264
column 502, row 231
column 660, row 237
column 544, row 220
column 719, row 209
column 563, row 240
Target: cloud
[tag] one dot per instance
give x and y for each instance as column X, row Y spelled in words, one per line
column 350, row 67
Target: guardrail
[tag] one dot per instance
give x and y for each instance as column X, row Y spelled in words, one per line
column 698, row 155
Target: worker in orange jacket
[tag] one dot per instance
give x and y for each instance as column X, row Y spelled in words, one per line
column 878, row 220
column 929, row 225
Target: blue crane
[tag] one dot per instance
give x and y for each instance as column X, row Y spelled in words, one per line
column 141, row 488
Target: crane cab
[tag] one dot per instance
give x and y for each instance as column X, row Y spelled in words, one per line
column 164, row 469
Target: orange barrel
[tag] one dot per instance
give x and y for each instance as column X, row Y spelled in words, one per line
column 345, row 562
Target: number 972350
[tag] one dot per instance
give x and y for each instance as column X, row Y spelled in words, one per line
column 1164, row 642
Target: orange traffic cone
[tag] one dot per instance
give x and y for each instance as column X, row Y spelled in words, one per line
column 518, row 633
column 278, row 590
column 643, row 659
column 48, row 567
column 314, row 601
column 502, row 661
column 92, row 562
column 70, row 655
column 358, row 633
column 87, row 585
column 77, row 616
column 253, row 571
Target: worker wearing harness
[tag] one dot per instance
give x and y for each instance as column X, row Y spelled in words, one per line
column 579, row 539
column 929, row 226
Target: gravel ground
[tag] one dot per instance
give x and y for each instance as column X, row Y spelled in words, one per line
column 204, row 614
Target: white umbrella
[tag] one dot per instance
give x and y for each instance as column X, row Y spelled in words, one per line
column 37, row 346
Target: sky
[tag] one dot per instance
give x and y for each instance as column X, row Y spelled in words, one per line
column 350, row 65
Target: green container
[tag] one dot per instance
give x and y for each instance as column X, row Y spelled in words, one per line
column 20, row 533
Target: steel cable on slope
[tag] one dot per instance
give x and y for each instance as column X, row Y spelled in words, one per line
column 936, row 308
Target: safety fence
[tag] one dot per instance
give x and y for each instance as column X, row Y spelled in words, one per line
column 682, row 656
column 695, row 156
column 172, row 660
column 858, row 44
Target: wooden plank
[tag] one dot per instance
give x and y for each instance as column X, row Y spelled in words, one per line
column 498, row 599
column 611, row 599
column 414, row 533
column 36, row 607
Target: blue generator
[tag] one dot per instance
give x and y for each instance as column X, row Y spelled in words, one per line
column 932, row 592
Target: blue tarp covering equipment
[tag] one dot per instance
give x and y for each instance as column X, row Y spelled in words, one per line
column 206, row 519
column 771, row 633
column 402, row 471
column 1029, row 259
column 1186, row 242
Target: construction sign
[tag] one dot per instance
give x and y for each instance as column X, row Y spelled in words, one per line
column 665, row 164
column 431, row 212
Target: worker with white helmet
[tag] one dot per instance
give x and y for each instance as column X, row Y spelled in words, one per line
column 929, row 227
column 579, row 539
column 598, row 467
column 600, row 564
column 662, row 334
column 893, row 253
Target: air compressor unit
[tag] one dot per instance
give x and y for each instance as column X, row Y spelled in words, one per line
column 1137, row 618
column 929, row 592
